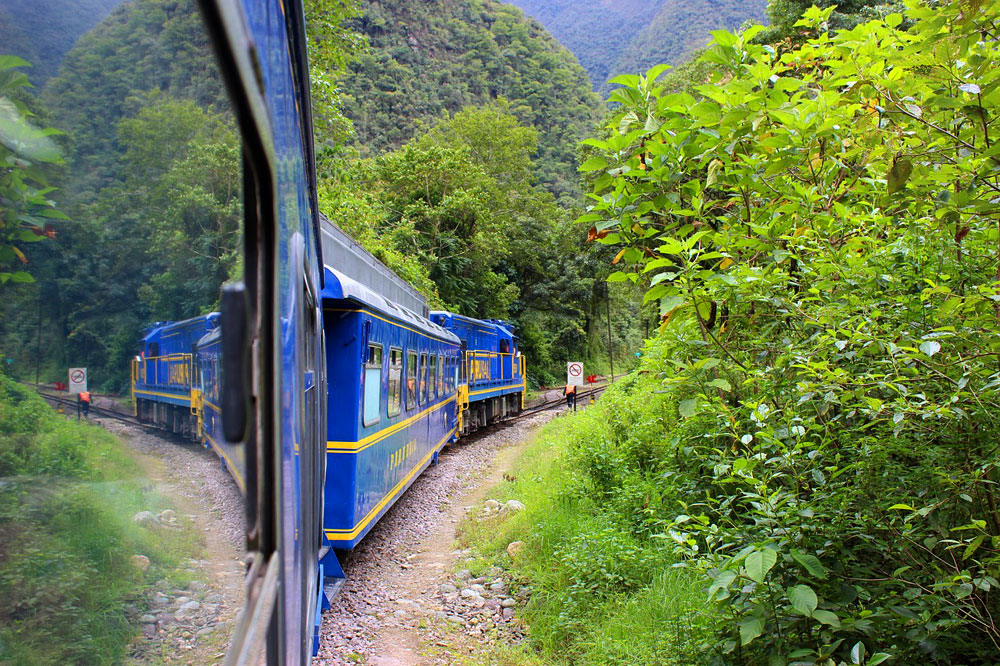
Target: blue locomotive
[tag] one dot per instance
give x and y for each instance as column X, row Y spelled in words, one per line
column 492, row 375
column 164, row 390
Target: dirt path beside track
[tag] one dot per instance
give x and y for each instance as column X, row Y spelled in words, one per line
column 400, row 605
column 191, row 625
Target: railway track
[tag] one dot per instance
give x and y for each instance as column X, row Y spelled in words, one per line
column 552, row 404
column 61, row 400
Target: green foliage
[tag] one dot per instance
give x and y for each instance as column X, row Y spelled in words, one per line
column 845, row 14
column 430, row 58
column 153, row 183
column 66, row 537
column 456, row 213
column 42, row 31
column 819, row 231
column 602, row 591
column 26, row 156
column 331, row 46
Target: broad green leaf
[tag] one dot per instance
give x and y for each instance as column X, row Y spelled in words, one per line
column 810, row 563
column 858, row 653
column 10, row 61
column 899, row 173
column 878, row 658
column 720, row 383
column 688, row 408
column 593, row 164
column 901, row 507
column 803, row 599
column 759, row 562
column 930, row 347
column 723, row 37
column 750, row 628
column 654, row 72
column 827, row 617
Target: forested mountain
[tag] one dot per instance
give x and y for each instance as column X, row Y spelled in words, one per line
column 431, row 58
column 612, row 37
column 28, row 24
column 151, row 183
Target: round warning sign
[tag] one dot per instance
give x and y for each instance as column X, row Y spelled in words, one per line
column 77, row 380
column 574, row 373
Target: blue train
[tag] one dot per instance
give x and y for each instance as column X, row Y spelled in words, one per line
column 401, row 383
column 324, row 383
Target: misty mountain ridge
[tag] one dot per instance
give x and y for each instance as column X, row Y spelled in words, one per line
column 611, row 37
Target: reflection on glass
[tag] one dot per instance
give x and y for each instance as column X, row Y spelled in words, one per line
column 120, row 218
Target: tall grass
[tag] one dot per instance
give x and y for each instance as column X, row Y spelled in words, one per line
column 604, row 590
column 68, row 494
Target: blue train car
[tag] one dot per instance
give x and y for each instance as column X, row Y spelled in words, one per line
column 392, row 377
column 165, row 392
column 208, row 384
column 492, row 372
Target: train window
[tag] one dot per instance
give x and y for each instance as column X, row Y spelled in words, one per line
column 440, row 376
column 422, row 396
column 432, row 378
column 373, row 385
column 154, row 350
column 411, row 380
column 395, row 380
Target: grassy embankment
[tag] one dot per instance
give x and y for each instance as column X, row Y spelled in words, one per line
column 651, row 538
column 68, row 493
column 605, row 590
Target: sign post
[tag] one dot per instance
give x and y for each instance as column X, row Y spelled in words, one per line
column 77, row 380
column 574, row 373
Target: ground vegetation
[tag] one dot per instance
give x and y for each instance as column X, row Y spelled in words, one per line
column 811, row 437
column 69, row 575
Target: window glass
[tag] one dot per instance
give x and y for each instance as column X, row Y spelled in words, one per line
column 440, row 376
column 432, row 372
column 423, row 378
column 121, row 179
column 395, row 380
column 411, row 380
column 373, row 385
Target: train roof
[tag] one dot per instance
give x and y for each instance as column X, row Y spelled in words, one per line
column 360, row 265
column 491, row 325
column 161, row 328
column 340, row 287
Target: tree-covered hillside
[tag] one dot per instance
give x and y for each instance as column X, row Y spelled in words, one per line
column 596, row 31
column 428, row 59
column 682, row 27
column 611, row 38
column 26, row 25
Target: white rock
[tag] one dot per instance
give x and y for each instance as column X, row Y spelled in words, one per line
column 508, row 603
column 468, row 593
column 513, row 505
column 514, row 548
column 140, row 562
column 144, row 518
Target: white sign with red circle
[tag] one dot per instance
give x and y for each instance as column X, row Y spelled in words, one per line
column 77, row 380
column 574, row 373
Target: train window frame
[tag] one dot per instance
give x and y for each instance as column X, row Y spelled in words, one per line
column 372, row 365
column 422, row 380
column 432, row 371
column 411, row 373
column 395, row 397
column 441, row 388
